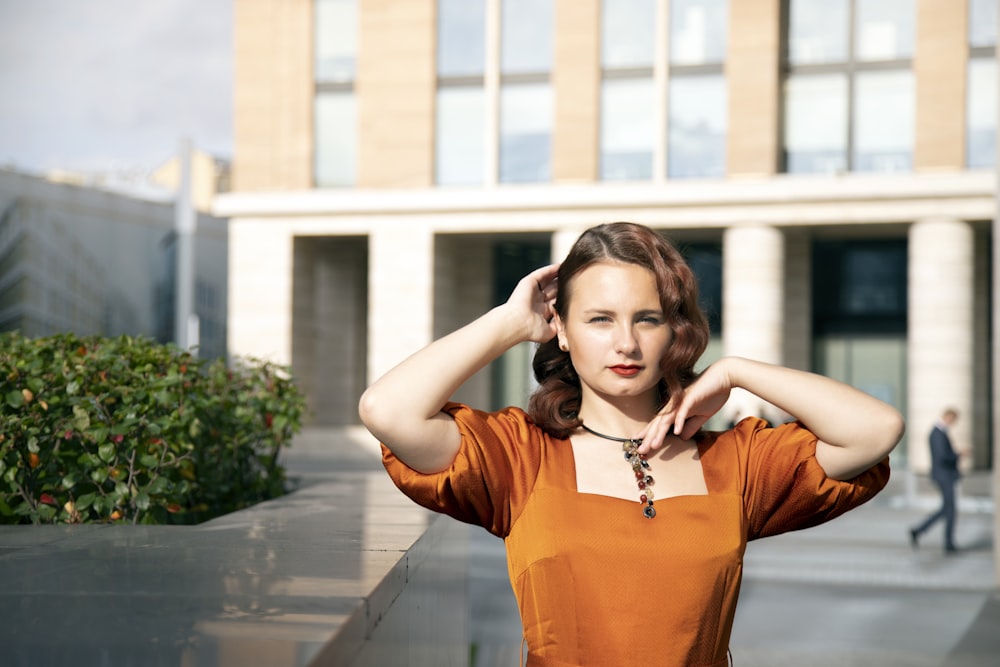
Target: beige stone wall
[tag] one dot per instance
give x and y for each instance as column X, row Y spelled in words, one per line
column 576, row 85
column 752, row 73
column 273, row 95
column 939, row 65
column 395, row 93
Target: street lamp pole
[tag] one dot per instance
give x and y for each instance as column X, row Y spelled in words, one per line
column 185, row 320
column 995, row 375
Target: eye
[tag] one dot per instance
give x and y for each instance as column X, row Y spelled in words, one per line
column 599, row 318
column 650, row 319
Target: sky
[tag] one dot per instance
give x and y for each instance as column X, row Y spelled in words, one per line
column 111, row 86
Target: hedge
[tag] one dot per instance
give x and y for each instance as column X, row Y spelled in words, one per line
column 127, row 430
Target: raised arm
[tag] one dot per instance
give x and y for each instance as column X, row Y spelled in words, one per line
column 855, row 430
column 403, row 407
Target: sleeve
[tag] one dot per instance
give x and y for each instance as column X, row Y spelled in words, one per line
column 486, row 484
column 784, row 486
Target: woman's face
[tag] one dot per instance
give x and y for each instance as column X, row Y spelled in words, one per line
column 615, row 330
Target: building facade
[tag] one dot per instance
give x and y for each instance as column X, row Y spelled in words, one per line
column 78, row 259
column 826, row 166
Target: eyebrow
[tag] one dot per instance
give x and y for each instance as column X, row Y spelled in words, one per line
column 640, row 313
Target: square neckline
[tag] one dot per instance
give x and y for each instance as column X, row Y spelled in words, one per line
column 575, row 486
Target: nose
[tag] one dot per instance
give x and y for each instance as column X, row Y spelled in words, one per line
column 625, row 341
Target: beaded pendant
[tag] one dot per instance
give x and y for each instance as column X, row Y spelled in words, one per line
column 640, row 466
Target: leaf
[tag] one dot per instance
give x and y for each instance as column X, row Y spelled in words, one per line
column 81, row 420
column 15, row 399
column 158, row 486
column 85, row 501
column 70, row 480
column 106, row 452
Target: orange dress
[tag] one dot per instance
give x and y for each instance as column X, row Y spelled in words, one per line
column 596, row 582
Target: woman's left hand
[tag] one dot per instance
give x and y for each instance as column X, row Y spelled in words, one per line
column 685, row 413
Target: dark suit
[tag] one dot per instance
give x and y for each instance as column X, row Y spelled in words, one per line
column 944, row 472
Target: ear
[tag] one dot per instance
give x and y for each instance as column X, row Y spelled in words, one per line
column 560, row 333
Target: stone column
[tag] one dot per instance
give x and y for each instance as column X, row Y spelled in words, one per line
column 400, row 293
column 940, row 332
column 260, row 290
column 563, row 240
column 753, row 297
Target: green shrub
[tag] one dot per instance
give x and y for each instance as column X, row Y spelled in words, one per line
column 128, row 430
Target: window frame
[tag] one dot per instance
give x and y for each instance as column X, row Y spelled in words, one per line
column 850, row 68
column 323, row 87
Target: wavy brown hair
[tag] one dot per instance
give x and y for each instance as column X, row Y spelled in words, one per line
column 555, row 405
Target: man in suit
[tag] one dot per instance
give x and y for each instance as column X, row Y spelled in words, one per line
column 944, row 472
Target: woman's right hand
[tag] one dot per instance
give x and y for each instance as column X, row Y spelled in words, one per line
column 534, row 299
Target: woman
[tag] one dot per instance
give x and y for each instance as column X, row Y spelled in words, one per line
column 625, row 523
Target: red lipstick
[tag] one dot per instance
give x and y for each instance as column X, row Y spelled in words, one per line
column 626, row 371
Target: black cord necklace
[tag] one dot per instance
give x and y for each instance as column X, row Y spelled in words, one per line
column 639, row 466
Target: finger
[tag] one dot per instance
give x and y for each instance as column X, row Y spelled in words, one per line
column 655, row 434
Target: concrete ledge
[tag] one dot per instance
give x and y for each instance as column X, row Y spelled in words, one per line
column 336, row 573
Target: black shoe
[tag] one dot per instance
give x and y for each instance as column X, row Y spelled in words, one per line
column 913, row 538
column 950, row 549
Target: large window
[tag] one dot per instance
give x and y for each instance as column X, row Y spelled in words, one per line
column 525, row 132
column 981, row 107
column 460, row 125
column 697, row 106
column 859, row 316
column 494, row 109
column 335, row 117
column 628, row 94
column 849, row 88
column 526, row 110
column 860, row 286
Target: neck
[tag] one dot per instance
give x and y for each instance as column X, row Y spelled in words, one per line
column 621, row 420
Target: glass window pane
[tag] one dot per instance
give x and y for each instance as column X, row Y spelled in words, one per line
column 525, row 132
column 628, row 130
column 883, row 121
column 815, row 136
column 698, row 30
column 817, row 31
column 526, row 36
column 884, row 29
column 627, row 33
column 336, row 40
column 336, row 143
column 697, row 123
column 871, row 284
column 461, row 38
column 459, row 136
column 981, row 132
column 982, row 22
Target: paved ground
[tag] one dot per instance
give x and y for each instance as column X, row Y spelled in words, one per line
column 851, row 592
